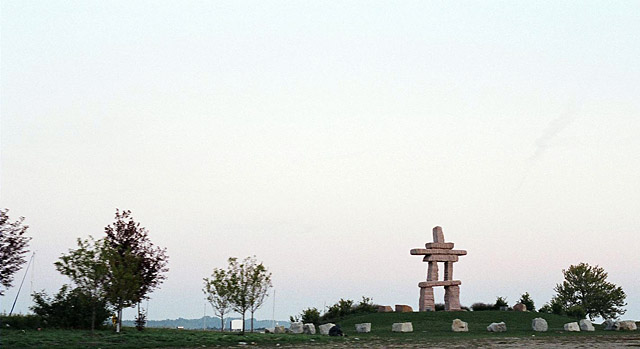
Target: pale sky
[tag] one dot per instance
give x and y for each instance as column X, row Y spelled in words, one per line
column 328, row 139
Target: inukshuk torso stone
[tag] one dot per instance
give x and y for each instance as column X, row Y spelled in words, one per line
column 436, row 252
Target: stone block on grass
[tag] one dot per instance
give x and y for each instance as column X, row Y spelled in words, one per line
column 572, row 327
column 363, row 327
column 627, row 325
column 296, row 327
column 309, row 329
column 385, row 309
column 403, row 308
column 324, row 329
column 279, row 330
column 586, row 325
column 402, row 327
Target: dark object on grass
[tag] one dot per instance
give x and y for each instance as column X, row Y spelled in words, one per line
column 335, row 331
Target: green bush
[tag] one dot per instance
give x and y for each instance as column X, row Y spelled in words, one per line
column 21, row 322
column 576, row 312
column 479, row 306
column 311, row 316
column 70, row 308
column 526, row 300
column 500, row 302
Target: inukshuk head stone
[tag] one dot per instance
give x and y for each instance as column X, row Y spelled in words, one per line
column 436, row 252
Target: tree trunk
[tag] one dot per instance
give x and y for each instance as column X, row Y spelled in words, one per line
column 93, row 316
column 243, row 313
column 222, row 321
column 252, row 321
column 119, row 323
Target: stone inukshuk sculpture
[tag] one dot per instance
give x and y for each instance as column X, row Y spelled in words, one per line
column 439, row 251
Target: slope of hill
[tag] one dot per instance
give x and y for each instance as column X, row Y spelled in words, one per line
column 208, row 322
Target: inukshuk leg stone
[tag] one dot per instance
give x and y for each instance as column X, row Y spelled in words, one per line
column 427, row 301
column 432, row 271
column 448, row 271
column 452, row 298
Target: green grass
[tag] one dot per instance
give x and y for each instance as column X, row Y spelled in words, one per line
column 149, row 338
column 438, row 324
column 428, row 327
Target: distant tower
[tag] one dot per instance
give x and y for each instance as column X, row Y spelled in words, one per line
column 439, row 251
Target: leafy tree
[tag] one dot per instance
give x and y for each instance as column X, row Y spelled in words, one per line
column 87, row 268
column 136, row 266
column 13, row 247
column 527, row 301
column 70, row 308
column 258, row 288
column 218, row 290
column 249, row 283
column 587, row 287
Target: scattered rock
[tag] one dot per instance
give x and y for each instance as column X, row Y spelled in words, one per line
column 324, row 329
column 497, row 327
column 586, row 325
column 309, row 329
column 627, row 325
column 519, row 307
column 539, row 325
column 402, row 327
column 402, row 308
column 279, row 330
column 385, row 309
column 459, row 326
column 296, row 327
column 336, row 331
column 572, row 327
column 363, row 328
column 610, row 325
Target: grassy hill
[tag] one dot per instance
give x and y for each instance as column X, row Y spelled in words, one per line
column 433, row 327
column 438, row 324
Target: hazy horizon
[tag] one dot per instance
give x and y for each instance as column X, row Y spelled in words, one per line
column 328, row 139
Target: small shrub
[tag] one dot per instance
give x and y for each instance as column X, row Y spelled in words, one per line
column 141, row 320
column 500, row 302
column 576, row 312
column 311, row 316
column 526, row 300
column 69, row 308
column 545, row 309
column 20, row 322
column 347, row 307
column 481, row 306
column 439, row 306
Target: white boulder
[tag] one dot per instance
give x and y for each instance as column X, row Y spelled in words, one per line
column 539, row 325
column 572, row 327
column 610, row 325
column 324, row 329
column 497, row 327
column 586, row 325
column 459, row 326
column 309, row 329
column 279, row 330
column 296, row 327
